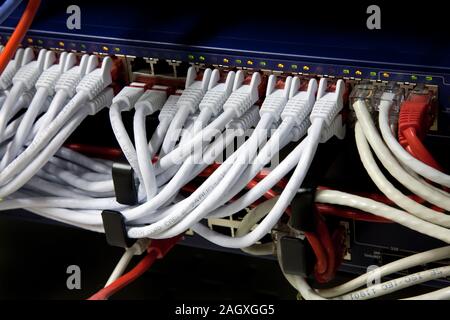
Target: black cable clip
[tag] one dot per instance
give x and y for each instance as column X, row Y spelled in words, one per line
column 115, row 229
column 296, row 256
column 303, row 209
column 124, row 183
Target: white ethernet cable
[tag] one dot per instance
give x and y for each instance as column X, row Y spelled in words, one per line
column 418, row 187
column 125, row 101
column 441, row 294
column 270, row 112
column 405, row 158
column 65, row 87
column 168, row 111
column 239, row 102
column 186, row 171
column 24, row 80
column 19, row 178
column 294, row 113
column 385, row 211
column 190, row 168
column 138, row 248
column 84, row 161
column 89, row 88
column 250, row 220
column 108, row 203
column 241, row 99
column 236, row 128
column 388, row 189
column 218, row 179
column 335, row 129
column 374, row 291
column 325, row 110
column 187, row 104
column 148, row 103
column 211, row 105
column 67, row 200
column 273, row 105
column 21, row 58
column 99, row 186
column 390, row 268
column 214, row 99
column 45, row 88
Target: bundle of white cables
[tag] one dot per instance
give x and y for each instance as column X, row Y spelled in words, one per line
column 196, row 126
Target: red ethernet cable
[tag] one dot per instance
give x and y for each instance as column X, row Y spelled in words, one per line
column 416, row 117
column 329, row 246
column 18, row 34
column 157, row 250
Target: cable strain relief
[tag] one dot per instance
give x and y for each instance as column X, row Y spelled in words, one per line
column 27, row 96
column 274, row 105
column 6, row 78
column 28, row 75
column 239, row 102
column 296, row 109
column 103, row 100
column 96, row 81
column 169, row 109
column 336, row 128
column 153, row 99
column 127, row 97
column 328, row 104
column 214, row 101
column 68, row 81
column 299, row 131
column 248, row 120
column 48, row 79
column 190, row 99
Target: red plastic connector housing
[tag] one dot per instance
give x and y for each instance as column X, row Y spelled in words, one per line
column 416, row 112
column 162, row 246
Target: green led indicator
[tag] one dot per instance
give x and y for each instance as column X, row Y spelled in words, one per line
column 201, row 58
column 346, row 71
column 429, row 78
column 191, row 57
column 414, row 77
column 263, row 64
column 83, row 46
column 373, row 74
column 40, row 42
column 294, row 67
column 238, row 61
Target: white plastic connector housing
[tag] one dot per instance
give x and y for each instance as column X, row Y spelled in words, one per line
column 72, row 75
column 153, row 99
column 27, row 97
column 328, row 104
column 243, row 97
column 29, row 73
column 335, row 129
column 11, row 69
column 276, row 99
column 96, row 81
column 169, row 109
column 195, row 90
column 103, row 100
column 300, row 103
column 218, row 93
column 50, row 75
column 300, row 131
column 127, row 97
column 248, row 120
